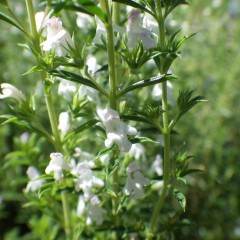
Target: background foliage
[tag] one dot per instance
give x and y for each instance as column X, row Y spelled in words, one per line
column 211, row 131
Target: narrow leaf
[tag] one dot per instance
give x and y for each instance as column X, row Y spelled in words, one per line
column 180, row 197
column 147, row 82
column 133, row 4
column 11, row 21
column 72, row 77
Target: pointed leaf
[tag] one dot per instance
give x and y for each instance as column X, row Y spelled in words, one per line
column 190, row 171
column 147, row 82
column 33, row 69
column 133, row 4
column 72, row 77
column 84, row 6
column 11, row 21
column 180, row 197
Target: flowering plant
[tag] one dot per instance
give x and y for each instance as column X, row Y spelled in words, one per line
column 107, row 175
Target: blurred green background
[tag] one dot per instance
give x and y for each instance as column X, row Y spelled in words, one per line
column 210, row 64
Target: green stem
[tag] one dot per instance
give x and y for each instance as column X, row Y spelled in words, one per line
column 166, row 130
column 111, row 56
column 52, row 118
column 31, row 17
column 51, row 113
column 66, row 215
column 113, row 75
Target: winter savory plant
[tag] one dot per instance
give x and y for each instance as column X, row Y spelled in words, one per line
column 102, row 117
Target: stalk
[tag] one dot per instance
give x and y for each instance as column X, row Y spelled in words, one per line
column 51, row 113
column 113, row 74
column 166, row 130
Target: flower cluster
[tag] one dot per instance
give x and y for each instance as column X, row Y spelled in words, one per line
column 57, row 165
column 8, row 90
column 35, row 183
column 135, row 182
column 117, row 131
column 58, row 39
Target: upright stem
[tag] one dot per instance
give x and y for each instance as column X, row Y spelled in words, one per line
column 111, row 56
column 66, row 215
column 166, row 130
column 51, row 112
column 113, row 73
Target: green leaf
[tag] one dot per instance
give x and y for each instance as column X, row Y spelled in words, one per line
column 81, row 128
column 11, row 21
column 33, row 69
column 180, row 197
column 147, row 82
column 10, row 119
column 135, row 118
column 73, row 78
column 4, row 3
column 133, row 4
column 173, row 5
column 142, row 140
column 86, row 125
column 84, row 6
column 186, row 101
column 190, row 171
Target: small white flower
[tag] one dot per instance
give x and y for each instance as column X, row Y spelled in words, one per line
column 95, row 212
column 117, row 131
column 157, row 165
column 157, row 92
column 84, row 157
column 64, row 122
column 8, row 90
column 150, row 23
column 101, row 32
column 90, row 93
column 84, row 20
column 81, row 206
column 136, row 32
column 92, row 64
column 135, row 182
column 86, row 180
column 66, row 88
column 34, row 183
column 57, row 165
column 58, row 39
column 40, row 17
column 137, row 151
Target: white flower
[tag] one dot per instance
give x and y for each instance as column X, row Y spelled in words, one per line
column 84, row 20
column 136, row 32
column 64, row 122
column 57, row 165
column 150, row 23
column 157, row 165
column 34, row 183
column 40, row 17
column 101, row 32
column 8, row 90
column 84, row 157
column 86, row 180
column 157, row 92
column 92, row 64
column 90, row 93
column 117, row 131
column 58, row 39
column 95, row 212
column 137, row 151
column 66, row 88
column 81, row 206
column 135, row 182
